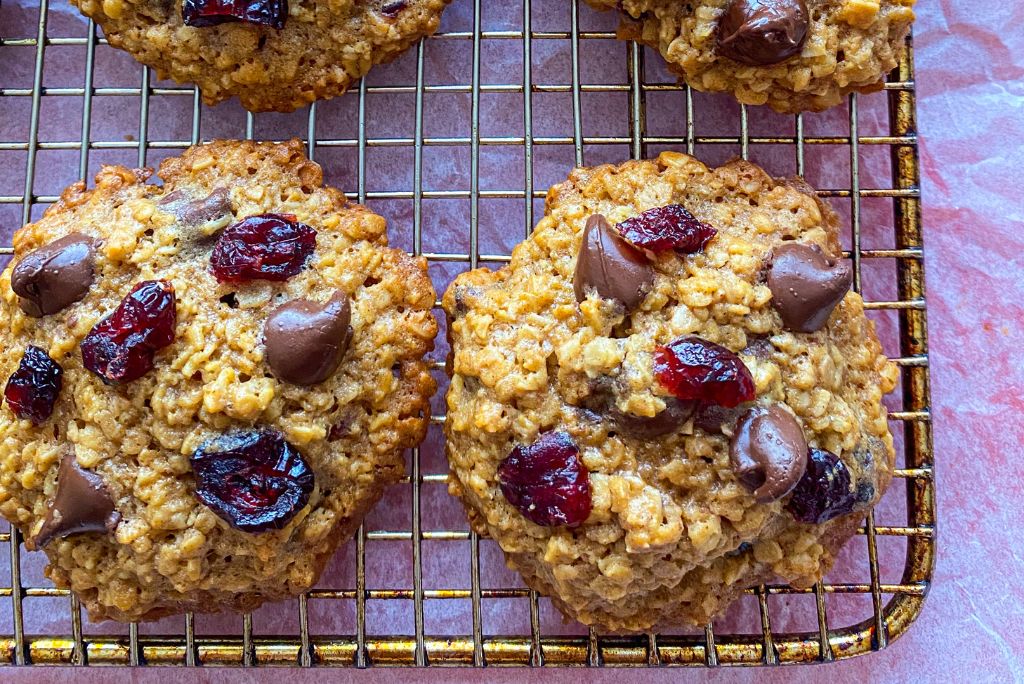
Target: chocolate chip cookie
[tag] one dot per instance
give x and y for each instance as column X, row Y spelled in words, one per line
column 274, row 55
column 208, row 382
column 670, row 393
column 793, row 55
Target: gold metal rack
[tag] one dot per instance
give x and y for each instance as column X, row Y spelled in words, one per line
column 894, row 606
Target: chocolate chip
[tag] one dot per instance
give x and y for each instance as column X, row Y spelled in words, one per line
column 713, row 418
column 806, row 285
column 392, row 9
column 610, row 266
column 55, row 276
column 599, row 406
column 670, row 419
column 195, row 212
column 306, row 340
column 762, row 32
column 768, row 452
column 759, row 347
column 81, row 504
column 588, row 414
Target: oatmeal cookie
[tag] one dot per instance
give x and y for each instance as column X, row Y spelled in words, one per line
column 793, row 55
column 669, row 394
column 274, row 55
column 210, row 381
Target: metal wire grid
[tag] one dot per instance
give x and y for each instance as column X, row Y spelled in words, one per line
column 888, row 619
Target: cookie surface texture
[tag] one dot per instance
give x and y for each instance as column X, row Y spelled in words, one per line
column 793, row 55
column 279, row 56
column 182, row 469
column 644, row 462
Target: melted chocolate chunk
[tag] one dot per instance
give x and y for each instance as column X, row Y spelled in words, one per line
column 611, row 266
column 760, row 348
column 713, row 418
column 599, row 406
column 196, row 212
column 675, row 413
column 55, row 276
column 768, row 452
column 392, row 9
column 81, row 504
column 806, row 285
column 306, row 340
column 762, row 32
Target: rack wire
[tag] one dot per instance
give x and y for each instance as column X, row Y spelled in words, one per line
column 765, row 638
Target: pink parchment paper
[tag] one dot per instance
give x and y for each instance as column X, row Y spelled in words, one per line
column 970, row 86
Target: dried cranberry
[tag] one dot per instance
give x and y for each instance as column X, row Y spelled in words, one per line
column 669, row 227
column 263, row 247
column 694, row 369
column 202, row 13
column 546, row 481
column 255, row 481
column 120, row 348
column 32, row 390
column 825, row 491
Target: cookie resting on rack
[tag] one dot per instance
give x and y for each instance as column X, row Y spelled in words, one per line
column 670, row 393
column 209, row 382
column 793, row 55
column 274, row 55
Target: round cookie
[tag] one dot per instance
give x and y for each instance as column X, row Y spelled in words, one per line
column 793, row 55
column 173, row 463
column 274, row 55
column 636, row 414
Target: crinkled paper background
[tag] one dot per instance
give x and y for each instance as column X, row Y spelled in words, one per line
column 970, row 88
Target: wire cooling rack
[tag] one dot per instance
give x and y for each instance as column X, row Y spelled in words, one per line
column 456, row 143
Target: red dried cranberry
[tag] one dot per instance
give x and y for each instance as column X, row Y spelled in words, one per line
column 669, row 227
column 546, row 481
column 694, row 369
column 262, row 247
column 32, row 390
column 202, row 13
column 825, row 491
column 255, row 481
column 120, row 348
